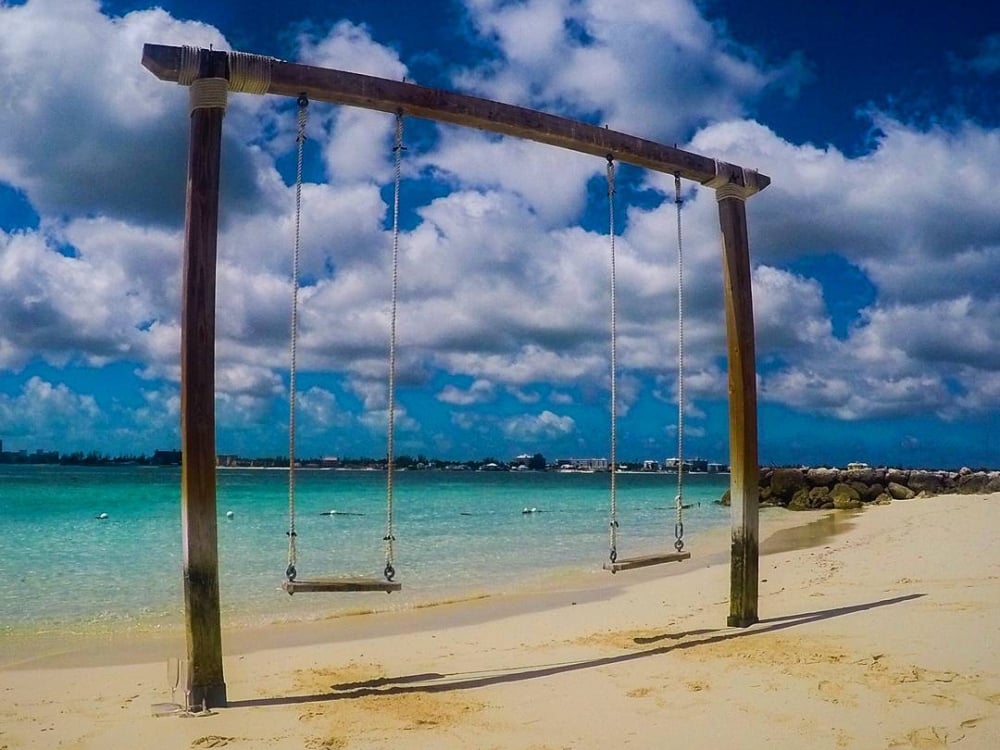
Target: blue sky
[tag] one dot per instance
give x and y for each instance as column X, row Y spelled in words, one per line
column 875, row 251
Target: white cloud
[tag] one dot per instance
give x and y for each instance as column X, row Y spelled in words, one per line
column 530, row 364
column 789, row 312
column 525, row 397
column 526, row 169
column 499, row 286
column 480, row 392
column 378, row 421
column 129, row 158
column 49, row 413
column 657, row 71
column 956, row 333
column 356, row 142
column 927, row 245
column 63, row 308
column 546, row 425
column 319, row 411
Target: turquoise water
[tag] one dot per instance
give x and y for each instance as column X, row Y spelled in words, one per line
column 458, row 534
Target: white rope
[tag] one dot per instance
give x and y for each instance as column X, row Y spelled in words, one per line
column 188, row 66
column 613, row 521
column 679, row 499
column 293, row 347
column 390, row 538
column 249, row 73
column 208, row 93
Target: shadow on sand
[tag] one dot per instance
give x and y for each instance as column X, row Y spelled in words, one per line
column 434, row 682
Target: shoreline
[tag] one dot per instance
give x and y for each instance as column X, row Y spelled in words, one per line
column 881, row 633
column 782, row 531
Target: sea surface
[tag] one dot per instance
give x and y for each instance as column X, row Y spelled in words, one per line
column 459, row 534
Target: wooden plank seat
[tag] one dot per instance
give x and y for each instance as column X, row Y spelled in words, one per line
column 340, row 585
column 644, row 561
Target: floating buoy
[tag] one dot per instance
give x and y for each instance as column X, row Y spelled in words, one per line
column 529, row 510
column 229, row 514
column 101, row 516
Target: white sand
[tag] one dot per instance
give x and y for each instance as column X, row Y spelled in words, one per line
column 886, row 635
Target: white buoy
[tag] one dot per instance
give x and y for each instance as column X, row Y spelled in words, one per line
column 229, row 514
column 102, row 516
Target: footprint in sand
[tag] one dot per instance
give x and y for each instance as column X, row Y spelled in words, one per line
column 926, row 738
column 212, row 740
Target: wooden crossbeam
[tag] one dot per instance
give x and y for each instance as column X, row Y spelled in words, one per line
column 369, row 92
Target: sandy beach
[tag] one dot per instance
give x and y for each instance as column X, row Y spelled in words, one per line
column 879, row 629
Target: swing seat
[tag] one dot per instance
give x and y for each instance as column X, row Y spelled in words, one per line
column 644, row 561
column 340, row 585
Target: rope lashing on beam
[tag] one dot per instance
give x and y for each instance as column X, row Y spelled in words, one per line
column 189, row 67
column 730, row 190
column 208, row 93
column 248, row 73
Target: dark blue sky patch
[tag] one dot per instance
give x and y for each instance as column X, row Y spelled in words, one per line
column 16, row 211
column 846, row 288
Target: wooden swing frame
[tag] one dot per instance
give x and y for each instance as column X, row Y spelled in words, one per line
column 204, row 70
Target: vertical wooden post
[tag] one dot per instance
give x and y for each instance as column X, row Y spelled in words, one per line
column 198, row 503
column 743, row 460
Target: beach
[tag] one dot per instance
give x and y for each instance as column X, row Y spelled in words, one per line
column 879, row 629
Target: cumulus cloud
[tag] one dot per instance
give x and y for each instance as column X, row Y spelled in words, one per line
column 320, row 411
column 523, row 168
column 504, row 271
column 64, row 308
column 354, row 141
column 661, row 67
column 480, row 392
column 546, row 425
column 927, row 246
column 130, row 158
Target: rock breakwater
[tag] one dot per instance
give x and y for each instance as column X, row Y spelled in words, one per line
column 823, row 488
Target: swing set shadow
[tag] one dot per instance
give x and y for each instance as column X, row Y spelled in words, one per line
column 435, row 682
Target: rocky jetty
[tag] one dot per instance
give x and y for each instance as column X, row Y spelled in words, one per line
column 823, row 488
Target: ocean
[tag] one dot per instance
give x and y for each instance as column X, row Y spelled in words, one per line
column 459, row 534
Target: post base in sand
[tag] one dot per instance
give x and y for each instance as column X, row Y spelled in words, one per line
column 213, row 696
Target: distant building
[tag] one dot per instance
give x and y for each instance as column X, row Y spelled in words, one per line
column 526, row 462
column 650, row 465
column 698, row 465
column 582, row 464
